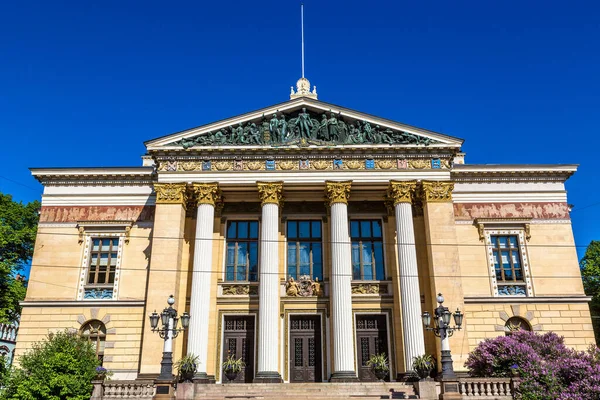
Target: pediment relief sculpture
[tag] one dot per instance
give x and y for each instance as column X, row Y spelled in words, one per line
column 303, row 128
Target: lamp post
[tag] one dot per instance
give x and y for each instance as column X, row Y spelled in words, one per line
column 442, row 329
column 169, row 331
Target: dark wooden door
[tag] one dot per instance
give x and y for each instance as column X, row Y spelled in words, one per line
column 305, row 349
column 238, row 339
column 371, row 338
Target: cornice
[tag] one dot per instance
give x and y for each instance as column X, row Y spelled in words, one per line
column 134, row 176
column 512, row 173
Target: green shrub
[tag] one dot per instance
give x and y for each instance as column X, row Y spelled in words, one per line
column 59, row 368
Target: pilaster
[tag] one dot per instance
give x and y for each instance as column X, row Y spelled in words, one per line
column 443, row 256
column 165, row 265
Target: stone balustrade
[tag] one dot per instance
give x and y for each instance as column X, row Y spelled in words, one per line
column 495, row 388
column 8, row 332
column 140, row 389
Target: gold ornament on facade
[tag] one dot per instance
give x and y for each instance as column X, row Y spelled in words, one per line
column 385, row 164
column 419, row 164
column 286, row 165
column 223, row 165
column 303, row 287
column 171, row 193
column 401, row 191
column 321, row 164
column 368, row 288
column 207, row 193
column 337, row 192
column 354, row 164
column 188, row 166
column 236, row 290
column 437, row 192
column 254, row 165
column 270, row 192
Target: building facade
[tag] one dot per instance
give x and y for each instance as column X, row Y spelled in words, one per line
column 303, row 237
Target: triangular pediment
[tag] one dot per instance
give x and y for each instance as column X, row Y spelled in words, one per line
column 303, row 122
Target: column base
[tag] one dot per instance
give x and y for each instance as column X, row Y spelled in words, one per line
column 203, row 377
column 450, row 389
column 268, row 377
column 343, row 376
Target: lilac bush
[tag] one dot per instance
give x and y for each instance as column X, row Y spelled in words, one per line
column 549, row 370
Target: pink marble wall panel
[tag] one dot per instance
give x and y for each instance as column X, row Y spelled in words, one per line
column 470, row 211
column 96, row 213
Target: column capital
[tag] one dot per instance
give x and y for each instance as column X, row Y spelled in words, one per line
column 337, row 192
column 401, row 191
column 436, row 191
column 207, row 193
column 270, row 192
column 171, row 193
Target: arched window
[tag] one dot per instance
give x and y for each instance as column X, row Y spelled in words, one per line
column 95, row 332
column 4, row 351
column 514, row 324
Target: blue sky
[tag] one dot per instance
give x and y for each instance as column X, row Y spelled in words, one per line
column 85, row 83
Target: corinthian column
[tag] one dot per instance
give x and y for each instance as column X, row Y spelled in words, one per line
column 207, row 194
column 341, row 278
column 401, row 194
column 268, row 289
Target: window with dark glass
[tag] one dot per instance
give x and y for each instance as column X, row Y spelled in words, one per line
column 103, row 261
column 507, row 259
column 95, row 332
column 304, row 256
column 242, row 251
column 367, row 250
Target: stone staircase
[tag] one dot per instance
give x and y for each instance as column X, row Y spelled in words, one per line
column 312, row 391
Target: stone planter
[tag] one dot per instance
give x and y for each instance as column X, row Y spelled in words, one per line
column 381, row 374
column 231, row 375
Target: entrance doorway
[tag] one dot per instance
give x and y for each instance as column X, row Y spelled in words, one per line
column 305, row 349
column 371, row 338
column 238, row 339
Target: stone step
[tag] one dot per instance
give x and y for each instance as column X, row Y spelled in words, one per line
column 314, row 391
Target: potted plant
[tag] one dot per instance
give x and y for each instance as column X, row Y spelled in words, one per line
column 233, row 367
column 423, row 365
column 186, row 367
column 379, row 365
column 102, row 373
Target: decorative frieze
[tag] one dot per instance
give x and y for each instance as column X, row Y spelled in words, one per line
column 337, row 192
column 97, row 294
column 303, row 164
column 436, row 191
column 369, row 288
column 270, row 192
column 240, row 290
column 171, row 193
column 207, row 193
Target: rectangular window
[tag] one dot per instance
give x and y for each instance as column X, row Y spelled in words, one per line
column 304, row 249
column 103, row 261
column 507, row 259
column 367, row 250
column 242, row 251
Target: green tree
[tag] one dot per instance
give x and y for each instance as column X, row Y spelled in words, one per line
column 58, row 368
column 18, row 227
column 590, row 273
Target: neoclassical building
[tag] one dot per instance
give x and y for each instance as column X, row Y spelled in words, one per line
column 303, row 237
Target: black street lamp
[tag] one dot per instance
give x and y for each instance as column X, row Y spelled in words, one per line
column 442, row 329
column 168, row 332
